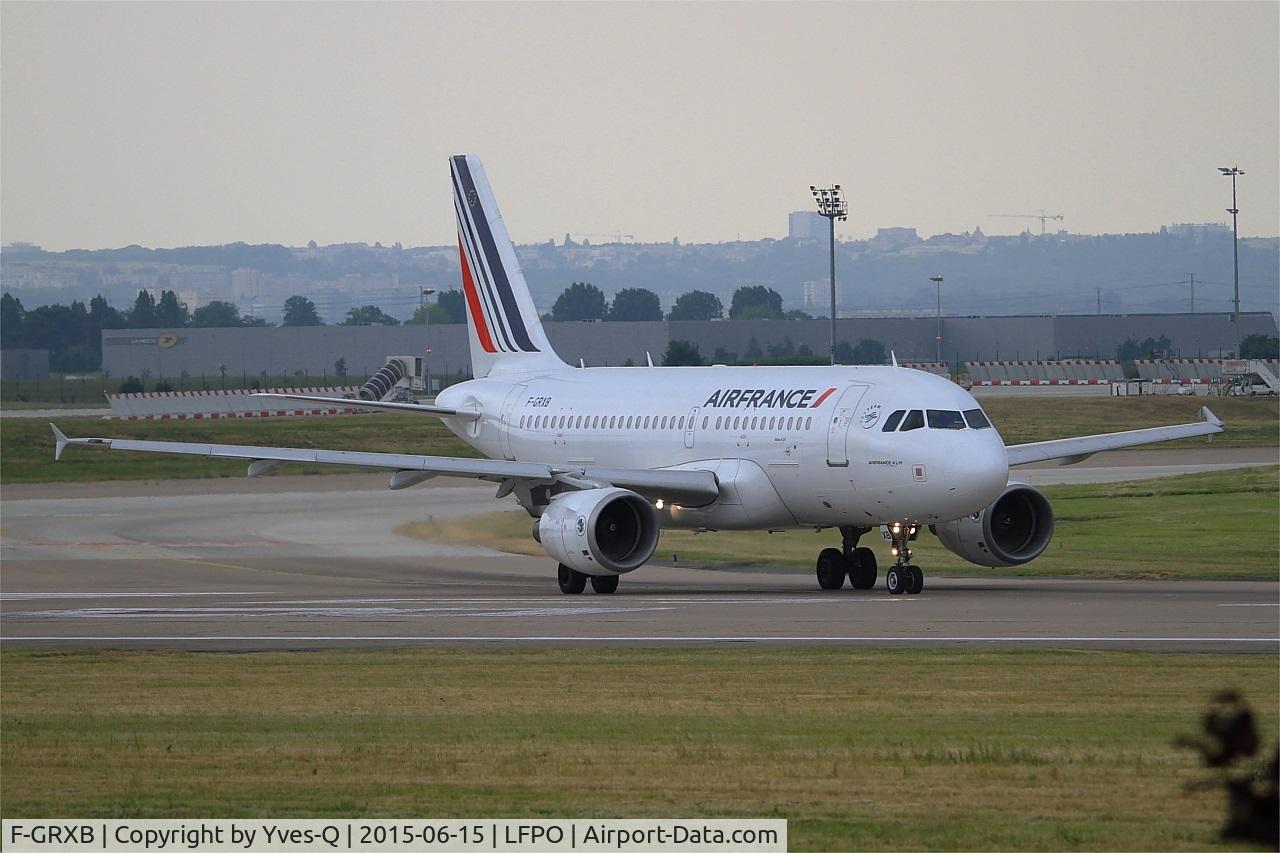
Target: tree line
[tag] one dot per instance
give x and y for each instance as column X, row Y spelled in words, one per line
column 584, row 301
column 73, row 333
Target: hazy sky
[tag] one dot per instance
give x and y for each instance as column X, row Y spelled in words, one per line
column 181, row 123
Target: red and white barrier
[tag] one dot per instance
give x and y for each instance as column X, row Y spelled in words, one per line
column 990, row 382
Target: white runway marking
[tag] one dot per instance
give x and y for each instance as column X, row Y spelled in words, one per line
column 733, row 597
column 268, row 611
column 37, row 596
column 1277, row 604
column 659, row 639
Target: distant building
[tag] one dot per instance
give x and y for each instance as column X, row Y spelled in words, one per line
column 807, row 225
column 889, row 239
column 1198, row 231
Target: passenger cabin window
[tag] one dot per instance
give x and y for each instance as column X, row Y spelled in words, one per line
column 891, row 423
column 976, row 419
column 913, row 420
column 945, row 419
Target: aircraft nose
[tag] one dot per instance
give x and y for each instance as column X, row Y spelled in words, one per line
column 981, row 471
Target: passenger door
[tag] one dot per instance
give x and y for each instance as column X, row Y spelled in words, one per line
column 689, row 427
column 508, row 407
column 841, row 418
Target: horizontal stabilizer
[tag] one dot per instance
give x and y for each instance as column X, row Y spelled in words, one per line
column 416, row 408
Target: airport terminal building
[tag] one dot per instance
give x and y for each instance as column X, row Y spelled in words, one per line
column 314, row 350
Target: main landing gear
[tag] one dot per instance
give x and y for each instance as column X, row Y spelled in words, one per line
column 573, row 582
column 858, row 564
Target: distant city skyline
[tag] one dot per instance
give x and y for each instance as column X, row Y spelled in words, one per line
column 202, row 124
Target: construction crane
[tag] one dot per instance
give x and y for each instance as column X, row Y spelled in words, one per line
column 617, row 236
column 1042, row 216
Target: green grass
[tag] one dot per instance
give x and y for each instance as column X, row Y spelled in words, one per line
column 1222, row 524
column 26, row 445
column 857, row 748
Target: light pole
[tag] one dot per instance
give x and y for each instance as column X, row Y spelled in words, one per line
column 426, row 327
column 1235, row 246
column 937, row 279
column 831, row 204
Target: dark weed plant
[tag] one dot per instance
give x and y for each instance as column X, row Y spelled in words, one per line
column 1232, row 749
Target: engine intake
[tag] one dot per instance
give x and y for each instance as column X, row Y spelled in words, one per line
column 1015, row 529
column 599, row 531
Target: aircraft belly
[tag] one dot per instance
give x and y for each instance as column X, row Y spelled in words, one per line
column 748, row 501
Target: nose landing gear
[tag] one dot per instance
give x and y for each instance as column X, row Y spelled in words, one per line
column 903, row 577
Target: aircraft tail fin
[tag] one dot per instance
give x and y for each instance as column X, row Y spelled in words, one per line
column 505, row 332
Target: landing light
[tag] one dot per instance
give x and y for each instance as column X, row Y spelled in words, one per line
column 659, row 504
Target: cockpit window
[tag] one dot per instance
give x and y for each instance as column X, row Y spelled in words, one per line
column 913, row 420
column 891, row 423
column 976, row 419
column 944, row 419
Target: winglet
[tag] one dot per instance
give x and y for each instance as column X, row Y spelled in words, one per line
column 61, row 442
column 893, row 355
column 648, row 358
column 1209, row 417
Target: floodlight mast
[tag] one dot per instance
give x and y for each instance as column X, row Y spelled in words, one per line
column 831, row 204
column 1234, row 210
column 937, row 279
column 426, row 328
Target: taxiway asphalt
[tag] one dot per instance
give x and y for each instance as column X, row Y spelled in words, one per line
column 314, row 562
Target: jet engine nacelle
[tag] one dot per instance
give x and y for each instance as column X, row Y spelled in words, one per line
column 599, row 531
column 1015, row 529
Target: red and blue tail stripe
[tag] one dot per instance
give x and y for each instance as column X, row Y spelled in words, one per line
column 486, row 285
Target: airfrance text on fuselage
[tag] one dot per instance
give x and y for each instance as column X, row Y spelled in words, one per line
column 759, row 398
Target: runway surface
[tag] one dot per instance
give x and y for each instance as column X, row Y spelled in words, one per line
column 314, row 562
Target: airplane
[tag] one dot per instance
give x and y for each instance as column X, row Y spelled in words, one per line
column 604, row 458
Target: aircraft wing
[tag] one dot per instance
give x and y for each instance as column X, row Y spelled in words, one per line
column 1068, row 451
column 684, row 487
column 417, row 408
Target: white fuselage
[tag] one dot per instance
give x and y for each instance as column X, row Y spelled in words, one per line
column 790, row 446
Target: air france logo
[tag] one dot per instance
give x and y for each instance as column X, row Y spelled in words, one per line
column 759, row 398
column 871, row 416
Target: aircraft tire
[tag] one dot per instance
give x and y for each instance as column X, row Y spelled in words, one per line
column 831, row 568
column 863, row 572
column 915, row 580
column 895, row 581
column 571, row 582
column 604, row 584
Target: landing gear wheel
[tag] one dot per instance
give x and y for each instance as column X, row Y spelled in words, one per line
column 831, row 568
column 895, row 581
column 604, row 583
column 571, row 582
column 863, row 571
column 915, row 580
